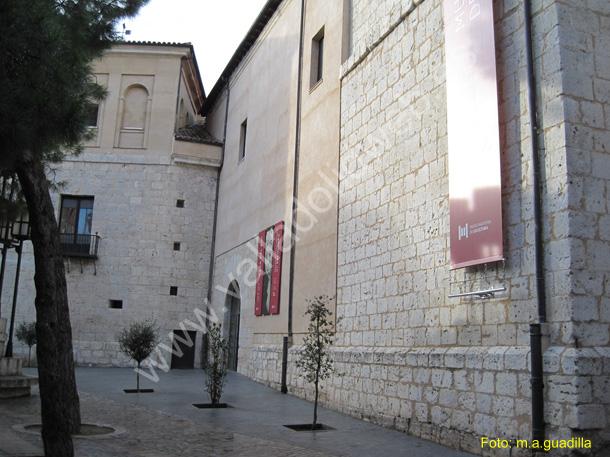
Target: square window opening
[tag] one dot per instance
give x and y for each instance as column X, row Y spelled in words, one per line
column 177, row 246
column 116, row 304
column 179, row 203
column 173, row 290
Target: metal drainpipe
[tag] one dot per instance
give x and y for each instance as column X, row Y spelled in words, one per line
column 537, row 380
column 295, row 194
column 222, row 160
column 213, row 246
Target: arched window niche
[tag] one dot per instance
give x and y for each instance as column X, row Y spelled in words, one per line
column 135, row 117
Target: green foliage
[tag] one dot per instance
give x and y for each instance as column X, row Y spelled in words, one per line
column 26, row 333
column 11, row 200
column 217, row 364
column 139, row 340
column 314, row 361
column 45, row 77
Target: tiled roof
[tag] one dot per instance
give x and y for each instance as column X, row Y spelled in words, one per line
column 155, row 43
column 196, row 133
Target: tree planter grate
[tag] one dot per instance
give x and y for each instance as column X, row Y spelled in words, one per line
column 212, row 406
column 309, row 428
column 87, row 431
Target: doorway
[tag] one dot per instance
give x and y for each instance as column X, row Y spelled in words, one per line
column 233, row 305
column 184, row 341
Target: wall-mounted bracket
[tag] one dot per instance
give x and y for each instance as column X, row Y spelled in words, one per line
column 485, row 293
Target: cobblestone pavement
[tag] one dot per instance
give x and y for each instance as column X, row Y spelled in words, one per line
column 165, row 423
column 148, row 433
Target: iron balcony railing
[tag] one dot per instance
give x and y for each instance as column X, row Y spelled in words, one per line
column 80, row 245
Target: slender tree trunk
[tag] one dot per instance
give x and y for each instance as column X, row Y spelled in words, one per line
column 315, row 405
column 30, row 357
column 138, row 378
column 317, row 381
column 58, row 394
column 214, row 395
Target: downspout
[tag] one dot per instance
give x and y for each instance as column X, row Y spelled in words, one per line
column 295, row 195
column 537, row 380
column 215, row 224
column 222, row 160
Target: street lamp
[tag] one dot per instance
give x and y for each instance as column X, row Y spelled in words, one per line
column 5, row 239
column 6, row 196
column 21, row 227
column 20, row 231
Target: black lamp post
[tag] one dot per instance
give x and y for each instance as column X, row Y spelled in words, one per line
column 20, row 231
column 8, row 191
column 5, row 231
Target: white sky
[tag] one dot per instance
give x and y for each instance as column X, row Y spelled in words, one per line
column 215, row 27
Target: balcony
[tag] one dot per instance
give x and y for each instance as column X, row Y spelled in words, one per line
column 84, row 246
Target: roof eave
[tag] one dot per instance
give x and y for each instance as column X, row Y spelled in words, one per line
column 242, row 50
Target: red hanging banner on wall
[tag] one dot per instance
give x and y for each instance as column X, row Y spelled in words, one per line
column 276, row 268
column 475, row 193
column 260, row 273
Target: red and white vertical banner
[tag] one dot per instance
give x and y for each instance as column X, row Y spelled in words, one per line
column 276, row 268
column 475, row 193
column 260, row 273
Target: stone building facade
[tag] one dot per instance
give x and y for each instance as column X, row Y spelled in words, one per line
column 342, row 107
column 257, row 188
column 146, row 184
column 466, row 371
column 409, row 356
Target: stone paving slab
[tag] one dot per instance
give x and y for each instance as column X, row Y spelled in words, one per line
column 11, row 445
column 165, row 423
column 259, row 411
column 149, row 434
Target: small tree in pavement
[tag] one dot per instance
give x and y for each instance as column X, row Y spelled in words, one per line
column 26, row 333
column 138, row 341
column 314, row 361
column 216, row 370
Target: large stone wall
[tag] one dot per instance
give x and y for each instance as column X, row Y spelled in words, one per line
column 394, row 277
column 454, row 370
column 136, row 216
column 584, row 41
